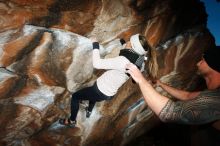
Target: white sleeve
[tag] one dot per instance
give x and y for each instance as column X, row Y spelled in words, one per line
column 117, row 63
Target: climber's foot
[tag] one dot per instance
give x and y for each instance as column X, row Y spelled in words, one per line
column 67, row 122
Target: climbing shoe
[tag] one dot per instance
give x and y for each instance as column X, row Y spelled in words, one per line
column 88, row 113
column 67, row 122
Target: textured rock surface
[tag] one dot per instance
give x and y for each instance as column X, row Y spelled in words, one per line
column 45, row 56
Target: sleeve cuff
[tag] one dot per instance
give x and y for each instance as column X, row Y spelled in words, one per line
column 122, row 41
column 95, row 45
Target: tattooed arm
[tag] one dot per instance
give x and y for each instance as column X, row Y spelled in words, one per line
column 203, row 109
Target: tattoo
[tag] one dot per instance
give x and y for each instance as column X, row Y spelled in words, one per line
column 203, row 109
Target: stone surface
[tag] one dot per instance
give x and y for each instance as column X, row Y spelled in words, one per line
column 45, row 56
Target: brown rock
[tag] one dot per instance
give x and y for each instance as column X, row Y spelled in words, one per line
column 42, row 66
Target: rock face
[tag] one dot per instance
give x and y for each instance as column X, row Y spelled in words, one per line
column 45, row 56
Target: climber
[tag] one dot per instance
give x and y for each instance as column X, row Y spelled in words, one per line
column 107, row 85
column 200, row 107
